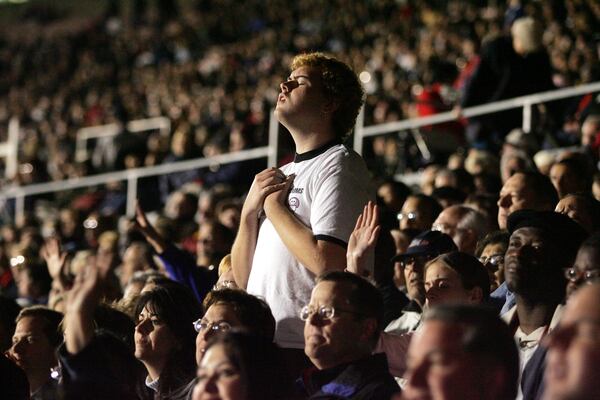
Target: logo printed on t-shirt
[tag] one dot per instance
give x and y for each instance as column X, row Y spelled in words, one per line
column 294, row 203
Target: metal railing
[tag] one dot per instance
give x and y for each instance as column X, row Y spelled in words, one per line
column 19, row 193
column 360, row 132
column 270, row 151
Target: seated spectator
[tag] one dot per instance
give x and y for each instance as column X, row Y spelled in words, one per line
column 542, row 244
column 424, row 247
column 462, row 352
column 574, row 349
column 465, row 225
column 33, row 281
column 581, row 208
column 525, row 190
column 453, row 277
column 342, row 325
column 242, row 366
column 137, row 258
column 165, row 338
column 418, row 212
column 232, row 308
column 490, row 251
column 570, row 176
column 36, row 338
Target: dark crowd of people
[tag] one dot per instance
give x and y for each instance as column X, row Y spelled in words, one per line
column 325, row 277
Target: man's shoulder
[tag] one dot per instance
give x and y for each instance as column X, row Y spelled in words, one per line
column 365, row 378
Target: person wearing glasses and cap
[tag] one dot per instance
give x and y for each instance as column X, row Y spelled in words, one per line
column 342, row 324
column 422, row 248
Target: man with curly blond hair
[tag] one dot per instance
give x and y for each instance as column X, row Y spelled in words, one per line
column 297, row 219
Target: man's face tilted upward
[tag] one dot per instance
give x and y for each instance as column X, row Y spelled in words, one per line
column 302, row 101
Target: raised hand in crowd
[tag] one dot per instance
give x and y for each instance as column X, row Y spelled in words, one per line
column 363, row 240
column 144, row 226
column 81, row 301
column 56, row 261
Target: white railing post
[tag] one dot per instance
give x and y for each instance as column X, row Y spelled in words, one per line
column 358, row 131
column 13, row 148
column 19, row 208
column 131, row 195
column 527, row 116
column 273, row 139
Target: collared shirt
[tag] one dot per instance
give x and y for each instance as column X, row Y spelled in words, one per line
column 152, row 384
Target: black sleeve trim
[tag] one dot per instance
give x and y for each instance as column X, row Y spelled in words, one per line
column 332, row 239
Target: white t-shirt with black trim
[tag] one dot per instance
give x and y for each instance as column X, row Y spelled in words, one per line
column 331, row 187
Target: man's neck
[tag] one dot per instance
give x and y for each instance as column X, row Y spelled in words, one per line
column 311, row 141
column 533, row 315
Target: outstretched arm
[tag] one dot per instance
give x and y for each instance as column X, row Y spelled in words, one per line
column 242, row 252
column 363, row 240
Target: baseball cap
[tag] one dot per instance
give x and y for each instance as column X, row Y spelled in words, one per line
column 428, row 243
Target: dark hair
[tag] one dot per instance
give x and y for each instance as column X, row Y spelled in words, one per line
column 260, row 363
column 543, row 190
column 51, row 319
column 430, row 203
column 471, row 272
column 254, row 313
column 592, row 241
column 9, row 309
column 497, row 237
column 176, row 306
column 485, row 335
column 363, row 296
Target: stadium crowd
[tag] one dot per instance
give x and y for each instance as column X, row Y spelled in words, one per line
column 323, row 278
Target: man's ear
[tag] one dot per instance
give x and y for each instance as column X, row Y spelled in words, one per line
column 330, row 107
column 369, row 329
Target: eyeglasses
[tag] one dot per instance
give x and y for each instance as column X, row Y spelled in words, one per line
column 411, row 216
column 216, row 327
column 494, row 259
column 415, row 261
column 574, row 275
column 324, row 313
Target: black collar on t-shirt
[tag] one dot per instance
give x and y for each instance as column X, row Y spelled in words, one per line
column 319, row 150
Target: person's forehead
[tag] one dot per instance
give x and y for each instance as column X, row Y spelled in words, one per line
column 515, row 183
column 583, row 305
column 492, row 248
column 439, row 270
column 30, row 324
column 436, row 336
column 221, row 312
column 588, row 257
column 329, row 293
column 411, row 204
column 450, row 215
column 528, row 233
column 306, row 71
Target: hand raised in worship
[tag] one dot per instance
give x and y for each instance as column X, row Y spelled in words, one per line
column 363, row 240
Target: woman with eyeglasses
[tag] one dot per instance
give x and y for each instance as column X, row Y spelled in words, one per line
column 490, row 251
column 165, row 338
column 242, row 366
